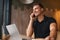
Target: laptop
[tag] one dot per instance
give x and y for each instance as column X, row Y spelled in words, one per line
column 13, row 32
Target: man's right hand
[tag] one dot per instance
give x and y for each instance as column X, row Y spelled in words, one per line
column 32, row 16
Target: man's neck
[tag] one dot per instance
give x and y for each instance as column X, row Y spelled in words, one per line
column 40, row 18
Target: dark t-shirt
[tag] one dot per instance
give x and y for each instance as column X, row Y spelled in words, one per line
column 42, row 29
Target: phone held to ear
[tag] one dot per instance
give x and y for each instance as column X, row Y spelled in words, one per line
column 34, row 16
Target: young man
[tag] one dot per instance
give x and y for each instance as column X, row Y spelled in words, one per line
column 42, row 26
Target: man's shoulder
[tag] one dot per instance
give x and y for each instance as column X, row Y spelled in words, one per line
column 50, row 19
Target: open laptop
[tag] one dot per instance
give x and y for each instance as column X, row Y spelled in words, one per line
column 14, row 33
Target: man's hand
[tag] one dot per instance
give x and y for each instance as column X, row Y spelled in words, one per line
column 47, row 38
column 32, row 16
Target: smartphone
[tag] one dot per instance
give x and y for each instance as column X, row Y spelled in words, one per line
column 34, row 16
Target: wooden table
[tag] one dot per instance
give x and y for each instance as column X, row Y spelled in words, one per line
column 23, row 38
column 7, row 37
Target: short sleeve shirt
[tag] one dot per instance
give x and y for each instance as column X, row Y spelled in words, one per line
column 42, row 29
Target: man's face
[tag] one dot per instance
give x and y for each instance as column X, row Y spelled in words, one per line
column 37, row 10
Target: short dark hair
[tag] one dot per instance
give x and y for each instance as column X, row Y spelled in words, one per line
column 38, row 4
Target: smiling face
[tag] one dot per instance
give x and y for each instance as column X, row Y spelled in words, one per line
column 37, row 10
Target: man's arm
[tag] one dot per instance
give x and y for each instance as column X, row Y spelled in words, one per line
column 29, row 30
column 53, row 32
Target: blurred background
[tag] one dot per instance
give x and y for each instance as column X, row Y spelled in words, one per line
column 18, row 12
